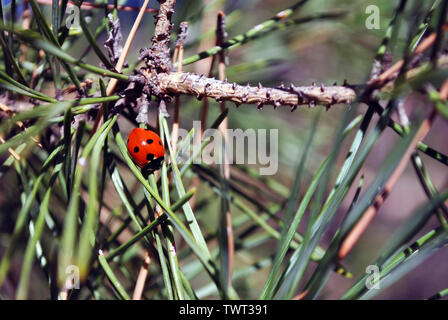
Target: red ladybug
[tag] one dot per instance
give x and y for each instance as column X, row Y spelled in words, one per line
column 146, row 148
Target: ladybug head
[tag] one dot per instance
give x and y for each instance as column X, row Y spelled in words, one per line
column 154, row 165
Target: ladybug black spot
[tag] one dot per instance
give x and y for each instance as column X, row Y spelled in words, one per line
column 160, row 143
column 149, row 141
column 149, row 156
column 136, row 149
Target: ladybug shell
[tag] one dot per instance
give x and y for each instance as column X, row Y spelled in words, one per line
column 145, row 146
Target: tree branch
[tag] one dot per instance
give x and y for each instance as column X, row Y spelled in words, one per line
column 158, row 57
column 200, row 86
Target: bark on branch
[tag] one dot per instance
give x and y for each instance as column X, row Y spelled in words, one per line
column 158, row 57
column 166, row 85
column 200, row 86
column 159, row 80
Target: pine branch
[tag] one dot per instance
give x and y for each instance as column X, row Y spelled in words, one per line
column 176, row 83
column 158, row 57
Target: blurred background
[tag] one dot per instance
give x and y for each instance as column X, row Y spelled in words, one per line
column 324, row 51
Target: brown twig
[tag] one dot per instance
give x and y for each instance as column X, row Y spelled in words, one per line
column 86, row 84
column 143, row 272
column 180, row 42
column 444, row 90
column 208, row 22
column 11, row 150
column 206, row 66
column 161, row 82
column 418, row 165
column 355, row 234
column 20, row 124
column 221, row 36
column 141, row 279
column 203, row 113
column 200, row 86
column 389, row 73
column 178, row 56
column 442, row 62
column 301, row 295
column 158, row 57
column 127, row 46
column 119, row 66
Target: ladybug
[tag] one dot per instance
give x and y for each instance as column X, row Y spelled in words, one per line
column 146, row 149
